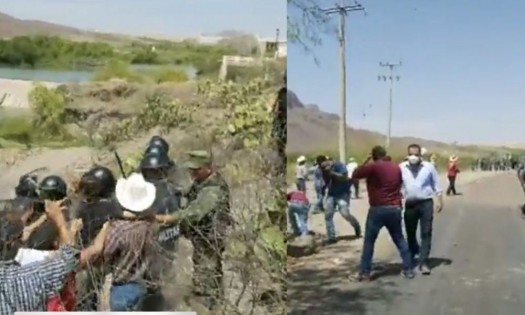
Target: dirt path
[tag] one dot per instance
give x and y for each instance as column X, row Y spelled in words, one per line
column 321, row 274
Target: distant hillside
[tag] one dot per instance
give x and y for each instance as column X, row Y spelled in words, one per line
column 311, row 130
column 13, row 27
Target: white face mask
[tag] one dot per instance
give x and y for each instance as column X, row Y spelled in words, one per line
column 413, row 159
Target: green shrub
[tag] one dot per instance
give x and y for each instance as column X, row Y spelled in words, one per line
column 17, row 128
column 246, row 107
column 49, row 111
column 52, row 52
column 116, row 69
column 175, row 76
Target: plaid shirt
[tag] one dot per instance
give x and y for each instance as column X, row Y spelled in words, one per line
column 28, row 288
column 131, row 249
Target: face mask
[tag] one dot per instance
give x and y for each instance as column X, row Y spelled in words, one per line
column 413, row 159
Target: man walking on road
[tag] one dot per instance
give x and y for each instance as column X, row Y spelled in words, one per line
column 383, row 182
column 420, row 186
column 452, row 173
column 337, row 183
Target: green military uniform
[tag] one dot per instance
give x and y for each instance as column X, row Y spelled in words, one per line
column 204, row 221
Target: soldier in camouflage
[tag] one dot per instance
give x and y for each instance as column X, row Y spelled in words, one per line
column 204, row 221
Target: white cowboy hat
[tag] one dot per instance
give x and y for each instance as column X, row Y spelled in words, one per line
column 300, row 159
column 453, row 158
column 135, row 193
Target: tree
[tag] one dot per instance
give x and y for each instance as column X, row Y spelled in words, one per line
column 306, row 23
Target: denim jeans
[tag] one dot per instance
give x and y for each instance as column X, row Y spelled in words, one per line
column 300, row 183
column 126, row 297
column 379, row 217
column 298, row 218
column 422, row 212
column 341, row 204
column 319, row 192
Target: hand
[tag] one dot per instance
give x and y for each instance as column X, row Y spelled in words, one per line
column 76, row 226
column 439, row 207
column 101, row 236
column 54, row 208
column 128, row 215
column 165, row 219
column 26, row 233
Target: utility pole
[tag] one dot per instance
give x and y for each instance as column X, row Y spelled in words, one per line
column 342, row 10
column 391, row 77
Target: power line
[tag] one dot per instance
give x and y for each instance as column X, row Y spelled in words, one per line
column 392, row 78
column 342, row 10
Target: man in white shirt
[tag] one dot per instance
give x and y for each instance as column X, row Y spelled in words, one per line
column 350, row 167
column 420, row 186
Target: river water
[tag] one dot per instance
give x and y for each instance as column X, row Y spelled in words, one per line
column 72, row 76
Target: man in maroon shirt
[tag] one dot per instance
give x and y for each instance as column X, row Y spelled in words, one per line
column 383, row 182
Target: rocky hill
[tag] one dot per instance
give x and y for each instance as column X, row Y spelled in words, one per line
column 313, row 130
column 12, row 27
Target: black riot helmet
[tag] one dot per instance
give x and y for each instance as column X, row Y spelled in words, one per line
column 158, row 141
column 52, row 188
column 155, row 149
column 154, row 166
column 156, row 161
column 98, row 182
column 27, row 186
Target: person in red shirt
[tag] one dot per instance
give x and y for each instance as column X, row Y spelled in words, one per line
column 383, row 182
column 452, row 173
column 298, row 206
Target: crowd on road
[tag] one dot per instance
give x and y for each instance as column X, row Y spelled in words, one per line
column 495, row 163
column 72, row 247
column 408, row 192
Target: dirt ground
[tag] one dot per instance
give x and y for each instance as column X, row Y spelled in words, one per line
column 334, row 263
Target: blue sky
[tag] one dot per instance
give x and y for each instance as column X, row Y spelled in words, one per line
column 463, row 73
column 167, row 17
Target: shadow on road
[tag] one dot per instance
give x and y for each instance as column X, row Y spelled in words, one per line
column 435, row 262
column 347, row 238
column 385, row 269
column 329, row 291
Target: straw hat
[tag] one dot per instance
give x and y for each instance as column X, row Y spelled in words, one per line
column 453, row 158
column 135, row 193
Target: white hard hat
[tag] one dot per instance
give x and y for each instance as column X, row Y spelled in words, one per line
column 300, row 159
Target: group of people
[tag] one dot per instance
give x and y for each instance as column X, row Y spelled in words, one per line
column 415, row 180
column 61, row 243
column 333, row 190
column 495, row 163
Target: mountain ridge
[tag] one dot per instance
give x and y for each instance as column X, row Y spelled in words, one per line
column 312, row 130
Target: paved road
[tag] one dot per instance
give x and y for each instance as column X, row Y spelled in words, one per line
column 479, row 263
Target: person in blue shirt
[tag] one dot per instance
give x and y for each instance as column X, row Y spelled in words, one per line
column 337, row 185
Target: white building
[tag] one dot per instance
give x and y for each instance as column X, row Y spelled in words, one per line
column 282, row 49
